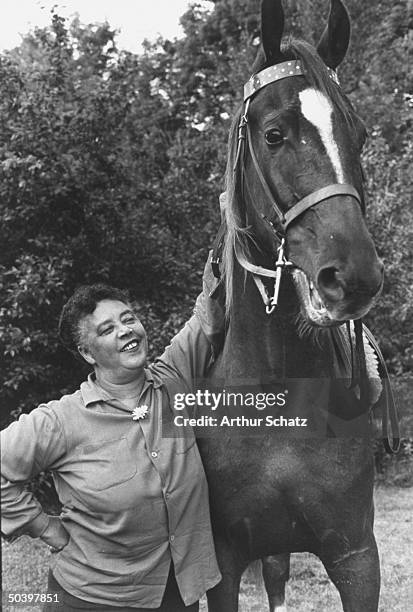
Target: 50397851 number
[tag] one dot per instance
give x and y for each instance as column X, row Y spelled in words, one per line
column 25, row 598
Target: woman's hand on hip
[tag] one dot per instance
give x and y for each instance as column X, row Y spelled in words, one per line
column 55, row 535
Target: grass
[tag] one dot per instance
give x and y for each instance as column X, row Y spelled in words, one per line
column 25, row 566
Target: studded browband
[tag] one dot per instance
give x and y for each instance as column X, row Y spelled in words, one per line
column 276, row 73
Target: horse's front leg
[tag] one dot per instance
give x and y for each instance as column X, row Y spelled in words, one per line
column 357, row 576
column 276, row 572
column 224, row 597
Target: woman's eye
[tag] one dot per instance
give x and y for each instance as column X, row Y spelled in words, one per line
column 274, row 137
column 106, row 330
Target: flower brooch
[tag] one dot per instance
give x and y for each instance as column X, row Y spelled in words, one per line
column 140, row 412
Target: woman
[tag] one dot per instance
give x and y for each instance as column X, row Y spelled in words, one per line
column 134, row 532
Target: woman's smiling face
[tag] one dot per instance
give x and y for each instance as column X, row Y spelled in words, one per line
column 114, row 341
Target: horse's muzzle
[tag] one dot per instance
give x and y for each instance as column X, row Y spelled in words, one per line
column 349, row 294
column 334, row 298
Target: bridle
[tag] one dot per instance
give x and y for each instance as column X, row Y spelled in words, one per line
column 283, row 218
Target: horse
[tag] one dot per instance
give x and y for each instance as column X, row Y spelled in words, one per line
column 298, row 265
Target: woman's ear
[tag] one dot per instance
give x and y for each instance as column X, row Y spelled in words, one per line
column 84, row 352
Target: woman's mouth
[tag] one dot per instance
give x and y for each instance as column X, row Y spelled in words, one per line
column 130, row 346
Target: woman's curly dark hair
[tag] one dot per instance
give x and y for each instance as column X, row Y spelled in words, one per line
column 82, row 303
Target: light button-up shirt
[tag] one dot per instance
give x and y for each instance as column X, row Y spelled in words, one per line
column 133, row 500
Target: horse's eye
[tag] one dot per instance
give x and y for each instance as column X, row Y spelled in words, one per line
column 274, row 137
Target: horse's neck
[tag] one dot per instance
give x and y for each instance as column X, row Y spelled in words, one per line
column 262, row 347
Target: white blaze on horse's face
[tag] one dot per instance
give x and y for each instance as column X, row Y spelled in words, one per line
column 317, row 109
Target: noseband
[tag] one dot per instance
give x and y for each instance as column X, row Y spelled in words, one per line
column 283, row 218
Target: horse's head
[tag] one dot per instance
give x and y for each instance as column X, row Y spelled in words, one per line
column 305, row 182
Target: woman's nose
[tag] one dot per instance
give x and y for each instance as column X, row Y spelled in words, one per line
column 124, row 330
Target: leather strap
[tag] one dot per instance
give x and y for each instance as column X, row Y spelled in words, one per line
column 250, row 267
column 316, row 197
column 263, row 182
column 276, row 73
column 285, row 218
column 217, row 248
column 389, row 414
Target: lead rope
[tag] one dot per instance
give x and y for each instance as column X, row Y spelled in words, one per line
column 352, row 368
column 391, row 442
column 361, row 361
column 389, row 408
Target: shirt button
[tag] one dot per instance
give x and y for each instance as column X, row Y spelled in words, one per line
column 154, row 454
column 167, row 495
column 172, row 538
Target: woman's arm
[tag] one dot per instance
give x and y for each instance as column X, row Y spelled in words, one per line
column 29, row 446
column 192, row 349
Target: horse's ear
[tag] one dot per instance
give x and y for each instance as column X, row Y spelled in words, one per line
column 335, row 39
column 272, row 26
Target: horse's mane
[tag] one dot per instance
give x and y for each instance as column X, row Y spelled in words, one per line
column 318, row 77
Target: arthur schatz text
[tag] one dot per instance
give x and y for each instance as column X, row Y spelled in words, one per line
column 239, row 421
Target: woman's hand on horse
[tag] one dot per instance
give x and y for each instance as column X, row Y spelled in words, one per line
column 55, row 535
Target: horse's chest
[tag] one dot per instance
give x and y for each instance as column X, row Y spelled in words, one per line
column 240, row 471
column 258, row 487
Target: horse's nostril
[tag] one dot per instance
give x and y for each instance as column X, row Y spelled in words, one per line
column 330, row 284
column 327, row 277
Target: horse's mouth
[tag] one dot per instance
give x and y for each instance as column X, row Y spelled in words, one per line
column 317, row 313
column 312, row 306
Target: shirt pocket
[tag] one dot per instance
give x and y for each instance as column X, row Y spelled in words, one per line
column 107, row 464
column 184, row 443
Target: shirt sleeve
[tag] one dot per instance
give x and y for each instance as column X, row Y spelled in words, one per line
column 28, row 446
column 194, row 347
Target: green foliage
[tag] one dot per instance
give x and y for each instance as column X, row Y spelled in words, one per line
column 384, row 95
column 111, row 165
column 91, row 159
